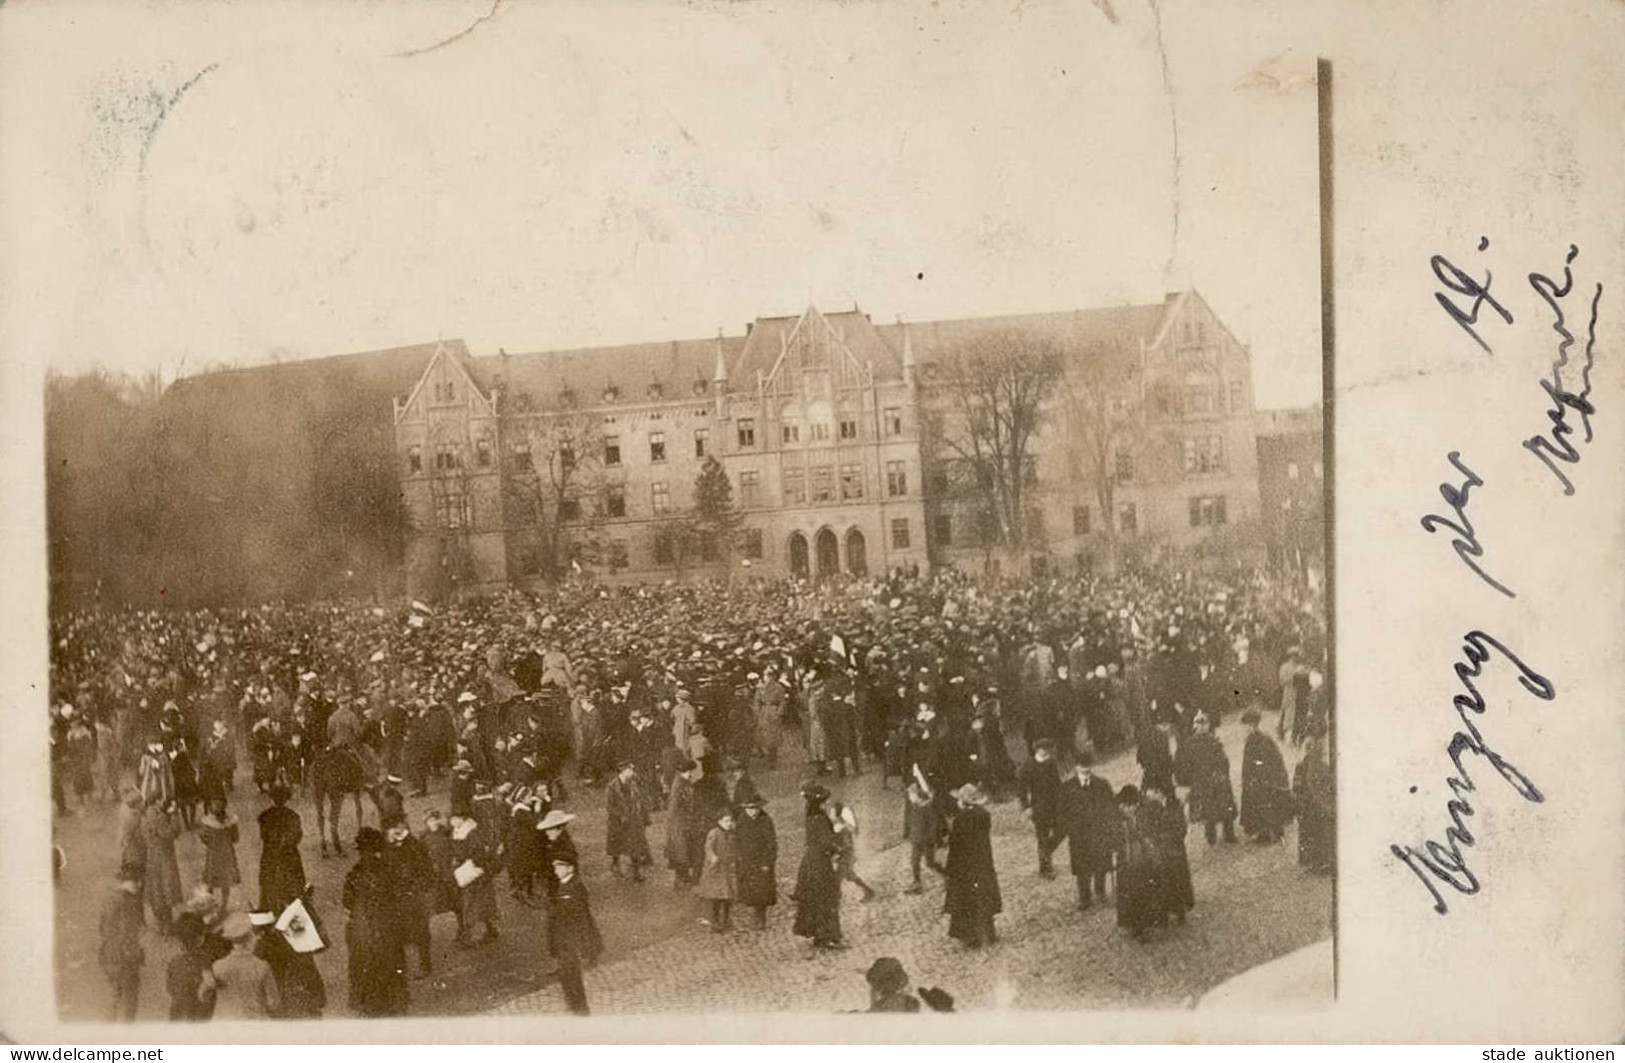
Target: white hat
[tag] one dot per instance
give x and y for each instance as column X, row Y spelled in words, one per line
column 553, row 819
column 466, row 696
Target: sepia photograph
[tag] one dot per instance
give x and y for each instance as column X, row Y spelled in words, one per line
column 687, row 509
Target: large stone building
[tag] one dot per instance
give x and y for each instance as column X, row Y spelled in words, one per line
column 831, row 430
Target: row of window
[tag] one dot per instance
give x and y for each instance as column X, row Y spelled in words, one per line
column 663, row 548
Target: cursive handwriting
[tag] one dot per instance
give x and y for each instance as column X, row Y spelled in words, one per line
column 1555, row 447
column 1466, row 542
column 1458, row 281
column 1445, row 861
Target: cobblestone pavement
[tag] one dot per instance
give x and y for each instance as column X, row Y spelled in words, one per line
column 1253, row 904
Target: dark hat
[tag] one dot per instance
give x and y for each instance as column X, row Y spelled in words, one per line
column 1251, row 716
column 815, row 791
column 1046, row 744
column 746, row 794
column 887, row 975
column 1128, row 794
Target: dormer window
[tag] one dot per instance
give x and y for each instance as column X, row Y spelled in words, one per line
column 656, row 391
column 414, row 458
column 701, row 387
column 567, row 398
column 612, row 394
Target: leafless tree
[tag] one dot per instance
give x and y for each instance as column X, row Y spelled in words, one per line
column 1104, row 417
column 992, row 398
column 553, row 485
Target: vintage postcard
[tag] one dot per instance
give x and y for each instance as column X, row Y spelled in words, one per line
column 822, row 522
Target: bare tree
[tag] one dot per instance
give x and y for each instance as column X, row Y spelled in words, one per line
column 553, row 488
column 992, row 400
column 1104, row 417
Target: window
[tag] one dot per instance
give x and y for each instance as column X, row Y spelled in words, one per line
column 414, row 458
column 659, row 497
column 701, row 436
column 521, row 457
column 612, row 450
column 1205, row 454
column 1200, row 400
column 750, row 487
column 899, row 533
column 1238, row 396
column 612, row 394
column 656, row 391
column 944, row 530
column 747, row 431
column 852, row 480
column 615, row 502
column 750, row 544
column 1128, row 518
column 1035, row 524
column 896, row 478
column 791, row 432
column 818, row 431
column 894, row 420
column 569, row 509
column 657, row 446
column 617, row 554
column 445, row 391
column 1207, row 512
column 1080, row 520
column 446, row 458
column 1291, row 470
column 795, row 487
column 567, row 457
column 849, row 428
column 664, row 547
column 451, row 510
column 1124, row 467
column 823, row 483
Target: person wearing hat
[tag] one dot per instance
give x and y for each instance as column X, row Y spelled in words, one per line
column 757, row 842
column 374, row 936
column 1156, row 757
column 573, row 939
column 1266, row 796
column 626, row 812
column 1314, row 790
column 554, row 830
column 888, row 987
column 718, row 873
column 188, row 976
column 121, row 954
column 298, row 979
column 1141, row 895
column 768, row 701
column 412, row 869
column 244, row 987
column 818, row 883
column 160, row 826
column 1089, row 808
column 684, row 820
column 1202, row 765
column 922, row 829
column 1039, row 788
column 462, row 787
column 282, row 869
column 1167, row 819
column 973, row 897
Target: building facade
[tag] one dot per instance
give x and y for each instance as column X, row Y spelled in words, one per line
column 521, row 466
column 1291, row 487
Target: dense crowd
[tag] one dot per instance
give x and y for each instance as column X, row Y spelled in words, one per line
column 964, row 692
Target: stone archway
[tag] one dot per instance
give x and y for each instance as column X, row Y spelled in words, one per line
column 799, row 567
column 827, row 551
column 857, row 557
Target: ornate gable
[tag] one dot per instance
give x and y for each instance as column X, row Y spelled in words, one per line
column 815, row 360
column 446, row 384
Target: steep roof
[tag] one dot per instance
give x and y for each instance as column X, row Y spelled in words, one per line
column 1119, row 327
column 387, row 374
column 766, row 336
column 674, row 365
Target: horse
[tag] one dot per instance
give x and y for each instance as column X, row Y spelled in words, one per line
column 334, row 774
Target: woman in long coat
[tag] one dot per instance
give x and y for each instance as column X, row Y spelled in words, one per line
column 1167, row 819
column 818, row 884
column 1140, row 891
column 160, row 827
column 1315, row 792
column 1203, row 765
column 472, row 840
column 378, row 982
column 719, row 872
column 973, row 885
column 282, row 870
column 758, row 844
column 627, row 815
column 682, row 813
column 1266, row 799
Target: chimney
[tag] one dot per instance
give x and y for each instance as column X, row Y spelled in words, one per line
column 908, row 353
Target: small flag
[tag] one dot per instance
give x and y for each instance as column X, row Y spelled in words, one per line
column 420, row 607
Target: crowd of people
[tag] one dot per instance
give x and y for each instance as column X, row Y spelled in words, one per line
column 962, row 692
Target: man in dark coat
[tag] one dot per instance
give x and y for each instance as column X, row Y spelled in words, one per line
column 572, row 934
column 1156, row 757
column 1092, row 829
column 757, row 847
column 1039, row 789
column 1315, row 791
column 1167, row 819
column 973, row 885
column 818, row 883
column 1203, row 766
column 626, row 811
column 189, row 1000
column 1266, row 799
column 121, row 954
column 282, row 870
column 410, row 864
column 922, row 829
column 377, row 948
column 684, row 820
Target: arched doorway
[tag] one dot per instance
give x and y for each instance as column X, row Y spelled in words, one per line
column 798, row 556
column 828, row 552
column 857, row 559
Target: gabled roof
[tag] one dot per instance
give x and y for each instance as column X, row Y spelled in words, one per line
column 1119, row 328
column 766, row 336
column 388, row 373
